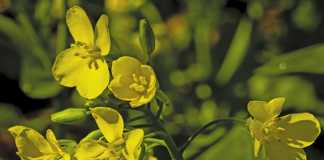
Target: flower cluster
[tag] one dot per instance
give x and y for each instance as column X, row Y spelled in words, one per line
column 83, row 65
column 115, row 144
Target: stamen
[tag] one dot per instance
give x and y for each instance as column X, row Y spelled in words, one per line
column 142, row 80
column 137, row 87
column 135, row 77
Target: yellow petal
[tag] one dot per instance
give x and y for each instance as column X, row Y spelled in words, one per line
column 149, row 74
column 29, row 142
column 109, row 121
column 125, row 66
column 67, row 65
column 43, row 157
column 50, row 136
column 280, row 151
column 256, row 147
column 122, row 70
column 79, row 25
column 120, row 88
column 275, row 106
column 133, row 143
column 258, row 111
column 93, row 81
column 264, row 111
column 301, row 129
column 102, row 35
column 144, row 99
column 91, row 150
column 255, row 128
column 66, row 156
column 70, row 69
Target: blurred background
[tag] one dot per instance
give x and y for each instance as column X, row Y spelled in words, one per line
column 211, row 58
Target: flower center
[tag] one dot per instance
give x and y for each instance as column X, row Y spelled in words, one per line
column 271, row 131
column 93, row 54
column 140, row 83
column 116, row 149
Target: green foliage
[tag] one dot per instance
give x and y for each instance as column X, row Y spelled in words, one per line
column 10, row 116
column 236, row 52
column 304, row 60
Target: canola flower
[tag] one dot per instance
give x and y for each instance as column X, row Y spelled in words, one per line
column 33, row 146
column 116, row 145
column 83, row 65
column 283, row 138
column 133, row 81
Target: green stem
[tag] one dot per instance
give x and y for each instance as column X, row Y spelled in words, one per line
column 202, row 129
column 170, row 144
column 61, row 37
column 136, row 118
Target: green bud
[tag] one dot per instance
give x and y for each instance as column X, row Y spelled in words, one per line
column 70, row 116
column 146, row 37
column 94, row 135
column 68, row 145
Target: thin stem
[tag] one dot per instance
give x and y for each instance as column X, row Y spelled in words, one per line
column 170, row 145
column 61, row 37
column 140, row 125
column 153, row 134
column 202, row 129
column 159, row 112
column 136, row 118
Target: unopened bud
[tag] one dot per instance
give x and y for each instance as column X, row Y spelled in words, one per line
column 70, row 116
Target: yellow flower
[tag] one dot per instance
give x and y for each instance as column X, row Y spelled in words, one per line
column 119, row 146
column 33, row 146
column 133, row 81
column 83, row 65
column 283, row 138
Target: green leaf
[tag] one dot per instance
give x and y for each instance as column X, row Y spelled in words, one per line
column 35, row 81
column 237, row 143
column 236, row 52
column 146, row 37
column 305, row 15
column 9, row 115
column 306, row 60
column 299, row 92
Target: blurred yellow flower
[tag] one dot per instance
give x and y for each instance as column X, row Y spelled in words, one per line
column 33, row 146
column 83, row 65
column 117, row 145
column 152, row 158
column 283, row 138
column 133, row 81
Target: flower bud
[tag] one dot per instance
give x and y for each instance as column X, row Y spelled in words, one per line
column 70, row 116
column 146, row 37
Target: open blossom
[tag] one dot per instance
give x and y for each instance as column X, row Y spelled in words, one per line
column 33, row 146
column 283, row 138
column 83, row 65
column 133, row 81
column 116, row 144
